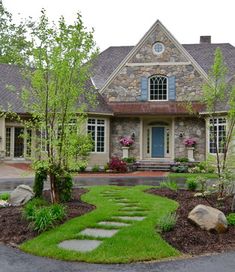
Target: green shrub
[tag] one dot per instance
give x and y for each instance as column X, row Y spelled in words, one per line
column 58, row 212
column 231, row 219
column 191, row 184
column 64, row 185
column 43, row 219
column 179, row 169
column 31, row 207
column 172, row 185
column 183, row 159
column 82, row 166
column 40, row 177
column 167, row 222
column 106, row 167
column 129, row 160
column 4, row 196
column 95, row 168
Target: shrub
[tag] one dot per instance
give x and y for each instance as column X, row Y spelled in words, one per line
column 183, row 159
column 43, row 219
column 180, row 169
column 117, row 165
column 231, row 219
column 64, row 185
column 129, row 160
column 31, row 207
column 106, row 167
column 95, row 168
column 40, row 177
column 4, row 196
column 202, row 183
column 58, row 212
column 82, row 166
column 167, row 222
column 172, row 185
column 191, row 184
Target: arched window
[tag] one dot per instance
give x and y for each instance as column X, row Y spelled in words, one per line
column 158, row 88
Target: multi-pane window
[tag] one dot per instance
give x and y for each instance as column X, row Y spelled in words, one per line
column 158, row 88
column 217, row 134
column 8, row 142
column 96, row 127
column 29, row 142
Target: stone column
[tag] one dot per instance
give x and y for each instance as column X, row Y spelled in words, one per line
column 2, row 138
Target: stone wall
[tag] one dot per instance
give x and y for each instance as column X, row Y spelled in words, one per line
column 191, row 128
column 124, row 127
column 126, row 85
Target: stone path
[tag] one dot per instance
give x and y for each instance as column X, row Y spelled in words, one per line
column 129, row 211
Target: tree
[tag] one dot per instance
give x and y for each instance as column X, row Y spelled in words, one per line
column 13, row 42
column 216, row 92
column 58, row 67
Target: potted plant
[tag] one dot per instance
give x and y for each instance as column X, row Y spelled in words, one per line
column 190, row 145
column 126, row 143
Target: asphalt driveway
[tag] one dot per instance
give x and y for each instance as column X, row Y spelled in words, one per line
column 14, row 260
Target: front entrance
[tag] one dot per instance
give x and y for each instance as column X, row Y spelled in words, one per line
column 158, row 142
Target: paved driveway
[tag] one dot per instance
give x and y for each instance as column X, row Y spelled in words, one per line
column 13, row 260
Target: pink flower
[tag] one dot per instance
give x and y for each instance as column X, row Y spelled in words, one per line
column 126, row 141
column 190, row 142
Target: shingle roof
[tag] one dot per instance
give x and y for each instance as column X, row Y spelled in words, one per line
column 110, row 58
column 12, row 82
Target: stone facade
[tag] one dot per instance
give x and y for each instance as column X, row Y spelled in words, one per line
column 124, row 127
column 126, row 85
column 190, row 128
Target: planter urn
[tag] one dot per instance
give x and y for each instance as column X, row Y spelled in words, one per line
column 125, row 151
column 190, row 153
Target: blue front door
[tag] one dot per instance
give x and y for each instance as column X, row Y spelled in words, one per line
column 158, row 137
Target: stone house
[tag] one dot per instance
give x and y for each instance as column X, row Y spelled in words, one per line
column 141, row 94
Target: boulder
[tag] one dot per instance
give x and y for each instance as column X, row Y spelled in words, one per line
column 208, row 218
column 21, row 195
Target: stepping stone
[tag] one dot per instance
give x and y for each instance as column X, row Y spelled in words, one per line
column 104, row 233
column 131, row 218
column 113, row 224
column 80, row 245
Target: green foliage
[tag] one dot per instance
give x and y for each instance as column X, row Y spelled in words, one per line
column 183, row 159
column 172, row 185
column 4, row 196
column 129, row 160
column 179, row 169
column 64, row 185
column 95, row 168
column 82, row 166
column 106, row 167
column 202, row 183
column 191, row 184
column 167, row 222
column 231, row 219
column 31, row 207
column 40, row 177
column 41, row 215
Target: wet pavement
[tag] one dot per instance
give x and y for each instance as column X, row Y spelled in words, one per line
column 14, row 260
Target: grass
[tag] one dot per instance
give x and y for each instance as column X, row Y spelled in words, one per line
column 4, row 196
column 192, row 175
column 138, row 242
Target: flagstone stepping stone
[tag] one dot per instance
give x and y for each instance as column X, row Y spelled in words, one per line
column 103, row 233
column 131, row 218
column 113, row 224
column 80, row 245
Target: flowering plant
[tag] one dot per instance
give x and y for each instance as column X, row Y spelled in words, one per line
column 126, row 141
column 190, row 142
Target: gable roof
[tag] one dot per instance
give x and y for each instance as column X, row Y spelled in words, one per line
column 203, row 54
column 135, row 49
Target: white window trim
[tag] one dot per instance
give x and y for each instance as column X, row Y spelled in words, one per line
column 105, row 133
column 158, row 53
column 208, row 133
column 167, row 89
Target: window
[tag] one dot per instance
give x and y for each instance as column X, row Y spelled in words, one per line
column 217, row 134
column 96, row 127
column 158, row 48
column 158, row 88
column 8, row 142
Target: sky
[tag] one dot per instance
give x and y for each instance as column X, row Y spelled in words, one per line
column 124, row 22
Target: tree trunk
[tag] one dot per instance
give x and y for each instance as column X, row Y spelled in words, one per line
column 54, row 191
column 233, row 204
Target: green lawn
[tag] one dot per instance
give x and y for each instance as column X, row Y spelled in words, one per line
column 189, row 175
column 137, row 242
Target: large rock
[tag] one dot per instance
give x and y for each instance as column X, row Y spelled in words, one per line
column 21, row 195
column 208, row 218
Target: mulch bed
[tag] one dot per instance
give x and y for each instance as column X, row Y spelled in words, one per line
column 189, row 238
column 15, row 230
